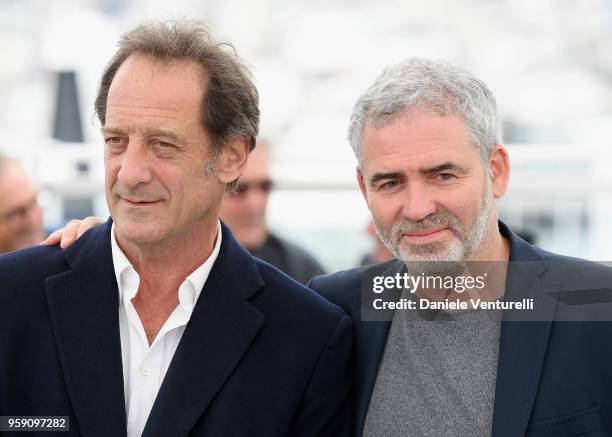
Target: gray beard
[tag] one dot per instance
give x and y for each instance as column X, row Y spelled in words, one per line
column 434, row 258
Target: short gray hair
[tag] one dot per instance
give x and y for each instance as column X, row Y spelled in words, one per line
column 428, row 86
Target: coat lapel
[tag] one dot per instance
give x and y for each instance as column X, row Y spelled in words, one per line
column 220, row 331
column 83, row 305
column 370, row 346
column 523, row 344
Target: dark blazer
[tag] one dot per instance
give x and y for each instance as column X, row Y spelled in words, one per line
column 554, row 377
column 261, row 355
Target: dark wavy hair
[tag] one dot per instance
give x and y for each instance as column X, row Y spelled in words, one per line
column 230, row 102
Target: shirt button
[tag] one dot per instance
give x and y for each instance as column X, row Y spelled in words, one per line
column 146, row 371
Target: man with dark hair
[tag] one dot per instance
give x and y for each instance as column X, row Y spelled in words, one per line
column 158, row 323
column 21, row 222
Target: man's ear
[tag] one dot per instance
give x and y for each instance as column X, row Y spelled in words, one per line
column 362, row 184
column 499, row 170
column 233, row 160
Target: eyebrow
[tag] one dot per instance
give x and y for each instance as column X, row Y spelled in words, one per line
column 158, row 132
column 386, row 176
column 427, row 171
column 110, row 130
column 444, row 166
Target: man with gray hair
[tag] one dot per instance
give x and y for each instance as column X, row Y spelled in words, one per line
column 428, row 141
column 158, row 323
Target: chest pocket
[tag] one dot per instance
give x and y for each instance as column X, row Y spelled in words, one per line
column 584, row 424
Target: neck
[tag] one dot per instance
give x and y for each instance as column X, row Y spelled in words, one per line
column 494, row 246
column 492, row 258
column 167, row 264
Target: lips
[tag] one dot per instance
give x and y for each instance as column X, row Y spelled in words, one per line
column 426, row 236
column 140, row 202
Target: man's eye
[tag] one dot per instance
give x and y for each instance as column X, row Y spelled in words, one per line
column 389, row 184
column 116, row 144
column 164, row 145
column 113, row 140
column 446, row 176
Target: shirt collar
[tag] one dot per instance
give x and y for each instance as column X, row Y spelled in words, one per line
column 128, row 279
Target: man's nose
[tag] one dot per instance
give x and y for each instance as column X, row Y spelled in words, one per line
column 135, row 166
column 418, row 202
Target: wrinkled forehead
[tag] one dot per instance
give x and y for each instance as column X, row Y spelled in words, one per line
column 147, row 82
column 417, row 139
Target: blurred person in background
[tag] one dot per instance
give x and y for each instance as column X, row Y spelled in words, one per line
column 244, row 211
column 21, row 222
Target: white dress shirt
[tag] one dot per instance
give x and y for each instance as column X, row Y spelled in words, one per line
column 144, row 366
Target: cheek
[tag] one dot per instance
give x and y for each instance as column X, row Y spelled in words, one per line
column 463, row 204
column 231, row 207
column 385, row 210
column 193, row 194
column 261, row 202
column 111, row 169
column 38, row 215
column 173, row 182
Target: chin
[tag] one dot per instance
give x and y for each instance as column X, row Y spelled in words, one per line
column 435, row 252
column 136, row 233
